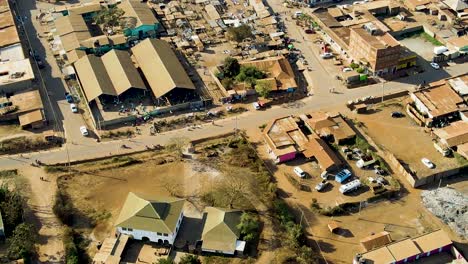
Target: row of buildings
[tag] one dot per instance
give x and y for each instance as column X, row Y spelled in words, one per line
column 159, row 220
column 19, row 101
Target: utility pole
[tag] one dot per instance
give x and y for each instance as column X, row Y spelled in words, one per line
column 383, row 85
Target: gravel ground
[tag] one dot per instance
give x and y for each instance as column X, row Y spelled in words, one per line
column 449, row 205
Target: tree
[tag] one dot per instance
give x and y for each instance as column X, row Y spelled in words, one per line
column 109, row 17
column 165, row 261
column 231, row 67
column 240, row 33
column 227, row 83
column 190, row 259
column 22, row 242
column 249, row 226
column 263, row 89
column 11, row 205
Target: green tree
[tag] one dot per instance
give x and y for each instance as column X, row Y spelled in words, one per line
column 240, row 33
column 109, row 17
column 63, row 207
column 249, row 226
column 71, row 252
column 11, row 205
column 250, row 75
column 263, row 88
column 21, row 243
column 190, row 259
column 231, row 67
column 165, row 261
column 227, row 83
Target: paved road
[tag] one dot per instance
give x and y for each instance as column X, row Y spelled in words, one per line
column 249, row 120
column 53, row 87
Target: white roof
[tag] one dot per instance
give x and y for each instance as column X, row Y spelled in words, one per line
column 12, row 53
column 11, row 67
column 459, row 85
column 240, row 245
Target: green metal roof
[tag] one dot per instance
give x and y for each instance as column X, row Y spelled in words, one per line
column 220, row 231
column 155, row 214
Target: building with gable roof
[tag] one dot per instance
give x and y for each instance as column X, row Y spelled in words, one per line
column 155, row 219
column 220, row 233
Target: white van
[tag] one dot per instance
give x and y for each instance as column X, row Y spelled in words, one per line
column 350, row 186
column 299, row 172
column 297, row 14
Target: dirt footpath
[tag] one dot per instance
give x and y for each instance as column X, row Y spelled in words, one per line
column 41, row 199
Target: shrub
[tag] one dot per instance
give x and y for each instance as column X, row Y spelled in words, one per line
column 359, row 70
column 71, row 251
column 63, row 207
column 227, row 83
column 240, row 33
column 231, row 67
column 249, row 226
column 190, row 259
column 21, row 243
column 354, row 65
column 11, row 205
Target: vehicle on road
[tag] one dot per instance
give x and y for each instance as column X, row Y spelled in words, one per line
column 40, row 63
column 69, row 97
column 84, row 131
column 319, row 187
column 256, row 105
column 326, row 55
column 342, row 175
column 397, row 114
column 350, row 186
column 435, row 65
column 74, row 108
column 427, row 163
column 299, row 172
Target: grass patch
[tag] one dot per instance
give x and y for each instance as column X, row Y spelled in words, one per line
column 8, row 173
column 118, row 134
column 55, row 169
column 430, row 39
column 460, row 159
column 25, row 144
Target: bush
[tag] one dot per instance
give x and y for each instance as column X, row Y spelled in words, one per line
column 8, row 173
column 63, row 208
column 359, row 70
column 53, row 169
column 71, row 251
column 240, row 33
column 460, row 159
column 190, row 259
column 362, row 144
column 23, row 144
column 227, row 83
column 21, row 243
column 249, row 226
column 354, row 65
column 11, row 205
column 231, row 68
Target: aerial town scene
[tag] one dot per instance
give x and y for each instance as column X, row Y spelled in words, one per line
column 234, row 131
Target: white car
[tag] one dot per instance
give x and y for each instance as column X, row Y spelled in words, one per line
column 427, row 163
column 347, row 69
column 84, row 131
column 256, row 106
column 74, row 108
column 319, row 187
column 326, row 55
column 435, row 65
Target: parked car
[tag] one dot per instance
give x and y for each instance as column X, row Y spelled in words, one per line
column 435, row 65
column 427, row 163
column 341, row 176
column 69, row 97
column 326, row 55
column 40, row 64
column 397, row 114
column 382, row 180
column 365, row 161
column 347, row 69
column 74, row 108
column 319, row 187
column 378, row 170
column 299, row 172
column 324, row 175
column 84, row 131
column 256, row 105
column 309, row 31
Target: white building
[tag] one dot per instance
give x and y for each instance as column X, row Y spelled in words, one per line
column 155, row 219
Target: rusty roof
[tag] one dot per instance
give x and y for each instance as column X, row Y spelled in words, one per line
column 283, row 132
column 318, row 149
column 431, row 241
column 277, row 68
column 376, row 240
column 439, row 99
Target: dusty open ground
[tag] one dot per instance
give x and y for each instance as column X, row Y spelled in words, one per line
column 406, row 140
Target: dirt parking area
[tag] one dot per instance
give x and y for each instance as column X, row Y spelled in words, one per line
column 406, row 140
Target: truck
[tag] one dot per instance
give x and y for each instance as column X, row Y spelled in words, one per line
column 350, row 186
column 365, row 161
column 342, row 175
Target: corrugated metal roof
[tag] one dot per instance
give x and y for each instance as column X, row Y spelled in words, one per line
column 220, row 231
column 140, row 11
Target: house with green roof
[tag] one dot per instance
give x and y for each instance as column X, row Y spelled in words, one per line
column 155, row 219
column 220, row 233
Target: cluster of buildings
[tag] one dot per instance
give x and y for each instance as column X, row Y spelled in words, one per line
column 307, row 135
column 366, row 33
column 435, row 246
column 159, row 219
column 442, row 106
column 19, row 101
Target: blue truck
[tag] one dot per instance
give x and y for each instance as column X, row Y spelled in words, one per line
column 342, row 175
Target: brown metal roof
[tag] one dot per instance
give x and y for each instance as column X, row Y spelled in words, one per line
column 376, row 240
column 85, row 8
column 431, row 241
column 455, row 134
column 8, row 36
column 31, row 117
column 121, row 70
column 140, row 11
column 277, row 68
column 161, row 67
column 6, row 20
column 93, row 77
column 318, row 149
column 70, row 23
column 73, row 40
column 440, row 99
column 403, row 249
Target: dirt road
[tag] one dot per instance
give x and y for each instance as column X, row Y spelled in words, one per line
column 41, row 198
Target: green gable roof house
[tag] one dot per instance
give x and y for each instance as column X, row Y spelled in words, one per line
column 220, row 233
column 141, row 22
column 155, row 219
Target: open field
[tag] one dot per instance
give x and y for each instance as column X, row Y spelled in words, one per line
column 406, row 140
